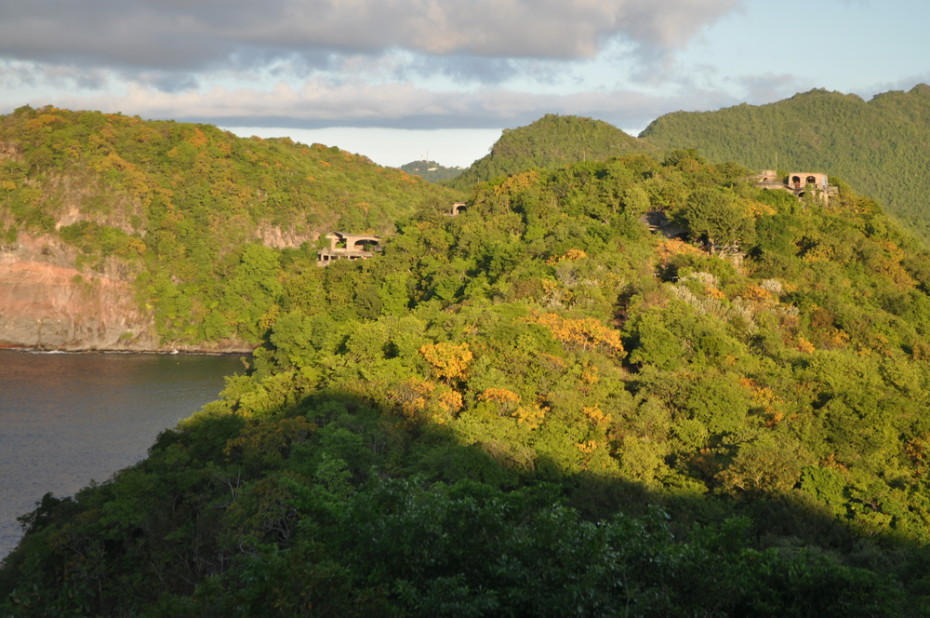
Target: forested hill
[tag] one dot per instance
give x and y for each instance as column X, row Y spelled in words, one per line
column 430, row 170
column 196, row 219
column 541, row 407
column 551, row 141
column 881, row 147
column 104, row 166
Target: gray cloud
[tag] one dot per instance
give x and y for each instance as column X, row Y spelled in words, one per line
column 181, row 35
column 14, row 74
column 321, row 104
column 463, row 68
column 768, row 87
column 163, row 55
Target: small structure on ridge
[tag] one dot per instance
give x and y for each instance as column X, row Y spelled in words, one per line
column 798, row 183
column 344, row 246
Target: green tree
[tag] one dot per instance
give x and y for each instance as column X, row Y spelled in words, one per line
column 714, row 217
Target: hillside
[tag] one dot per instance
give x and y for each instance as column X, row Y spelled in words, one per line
column 880, row 147
column 541, row 407
column 430, row 170
column 551, row 141
column 121, row 233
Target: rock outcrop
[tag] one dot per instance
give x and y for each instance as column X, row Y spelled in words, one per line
column 51, row 307
column 47, row 304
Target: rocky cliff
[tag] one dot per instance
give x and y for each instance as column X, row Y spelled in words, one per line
column 47, row 304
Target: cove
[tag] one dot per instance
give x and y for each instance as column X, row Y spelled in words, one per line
column 69, row 419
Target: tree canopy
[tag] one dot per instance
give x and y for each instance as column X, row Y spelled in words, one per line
column 879, row 146
column 541, row 407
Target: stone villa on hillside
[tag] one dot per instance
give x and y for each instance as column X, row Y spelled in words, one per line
column 344, row 246
column 798, row 183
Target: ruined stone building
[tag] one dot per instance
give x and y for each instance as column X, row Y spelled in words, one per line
column 344, row 246
column 798, row 183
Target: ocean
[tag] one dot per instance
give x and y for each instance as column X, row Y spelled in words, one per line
column 69, row 419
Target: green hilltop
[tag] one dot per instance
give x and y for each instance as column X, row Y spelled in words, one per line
column 551, row 141
column 430, row 170
column 880, row 147
column 541, row 406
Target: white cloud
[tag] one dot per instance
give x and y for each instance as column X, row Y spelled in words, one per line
column 322, row 103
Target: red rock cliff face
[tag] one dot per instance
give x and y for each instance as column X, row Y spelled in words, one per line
column 47, row 304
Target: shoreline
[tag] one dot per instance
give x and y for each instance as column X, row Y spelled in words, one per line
column 154, row 352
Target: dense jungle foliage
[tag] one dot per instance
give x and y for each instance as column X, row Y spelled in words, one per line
column 879, row 146
column 541, row 407
column 551, row 141
column 200, row 219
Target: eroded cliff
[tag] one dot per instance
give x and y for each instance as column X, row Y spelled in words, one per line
column 47, row 304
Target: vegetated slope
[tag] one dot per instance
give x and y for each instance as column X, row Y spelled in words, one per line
column 196, row 218
column 540, row 407
column 881, row 147
column 551, row 141
column 431, row 171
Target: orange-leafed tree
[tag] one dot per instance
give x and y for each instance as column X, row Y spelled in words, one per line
column 449, row 361
column 582, row 332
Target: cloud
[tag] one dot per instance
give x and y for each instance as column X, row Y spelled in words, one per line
column 182, row 35
column 32, row 74
column 769, row 86
column 397, row 63
column 320, row 103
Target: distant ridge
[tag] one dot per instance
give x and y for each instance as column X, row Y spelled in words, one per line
column 431, row 170
column 881, row 147
column 551, row 141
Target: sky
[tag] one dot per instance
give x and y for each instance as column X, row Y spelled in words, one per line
column 401, row 80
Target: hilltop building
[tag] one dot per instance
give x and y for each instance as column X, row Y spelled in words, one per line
column 344, row 246
column 798, row 183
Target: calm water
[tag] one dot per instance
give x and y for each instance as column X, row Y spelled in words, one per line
column 67, row 419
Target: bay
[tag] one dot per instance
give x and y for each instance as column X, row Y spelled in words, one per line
column 69, row 419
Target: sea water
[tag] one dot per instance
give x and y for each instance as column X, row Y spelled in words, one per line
column 69, row 419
